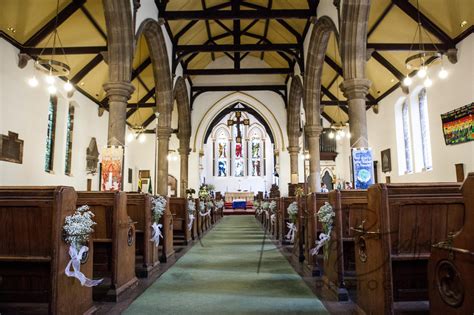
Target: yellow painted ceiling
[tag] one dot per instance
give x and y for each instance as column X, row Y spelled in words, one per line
column 21, row 19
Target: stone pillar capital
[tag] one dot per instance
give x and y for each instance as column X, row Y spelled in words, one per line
column 184, row 150
column 293, row 149
column 312, row 131
column 118, row 91
column 163, row 133
column 355, row 88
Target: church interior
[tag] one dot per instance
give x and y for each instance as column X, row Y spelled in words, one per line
column 236, row 157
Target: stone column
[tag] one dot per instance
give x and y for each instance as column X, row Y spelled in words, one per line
column 163, row 135
column 312, row 133
column 184, row 157
column 293, row 151
column 118, row 93
column 355, row 90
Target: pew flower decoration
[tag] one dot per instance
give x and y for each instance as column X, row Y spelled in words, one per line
column 158, row 209
column 258, row 207
column 202, row 209
column 191, row 211
column 272, row 207
column 325, row 216
column 220, row 204
column 77, row 230
column 292, row 213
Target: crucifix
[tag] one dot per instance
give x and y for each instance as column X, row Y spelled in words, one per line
column 237, row 122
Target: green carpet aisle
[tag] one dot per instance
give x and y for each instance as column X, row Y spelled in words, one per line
column 222, row 275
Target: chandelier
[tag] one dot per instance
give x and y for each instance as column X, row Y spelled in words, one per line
column 52, row 66
column 418, row 61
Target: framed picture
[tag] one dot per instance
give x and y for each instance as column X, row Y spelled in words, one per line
column 386, row 161
column 363, row 167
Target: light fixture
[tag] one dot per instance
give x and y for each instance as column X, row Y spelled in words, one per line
column 142, row 138
column 13, row 30
column 427, row 83
column 52, row 60
column 331, row 135
column 419, row 59
column 33, row 81
column 463, row 24
column 307, row 156
column 407, row 81
column 52, row 89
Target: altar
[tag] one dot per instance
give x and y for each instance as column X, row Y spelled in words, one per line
column 239, row 199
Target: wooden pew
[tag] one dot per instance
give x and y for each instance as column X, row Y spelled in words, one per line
column 339, row 263
column 393, row 242
column 199, row 219
column 33, row 255
column 451, row 266
column 314, row 201
column 146, row 253
column 194, row 231
column 283, row 214
column 179, row 209
column 167, row 248
column 114, row 242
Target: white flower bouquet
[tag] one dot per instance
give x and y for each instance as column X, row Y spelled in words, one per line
column 293, row 211
column 220, row 204
column 265, row 205
column 325, row 215
column 210, row 204
column 78, row 227
column 158, row 207
column 191, row 206
column 202, row 207
column 273, row 206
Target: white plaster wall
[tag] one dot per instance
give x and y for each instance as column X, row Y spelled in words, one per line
column 147, row 10
column 443, row 96
column 24, row 110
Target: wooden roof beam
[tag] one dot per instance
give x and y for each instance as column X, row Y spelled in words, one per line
column 406, row 47
column 235, row 48
column 242, row 15
column 238, row 71
column 145, row 98
column 87, row 68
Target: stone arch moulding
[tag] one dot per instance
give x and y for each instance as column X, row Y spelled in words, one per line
column 184, row 112
column 155, row 40
column 245, row 99
column 314, row 66
column 294, row 110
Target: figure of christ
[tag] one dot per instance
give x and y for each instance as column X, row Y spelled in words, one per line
column 221, row 150
column 238, row 150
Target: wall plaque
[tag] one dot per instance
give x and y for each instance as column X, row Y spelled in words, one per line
column 11, row 148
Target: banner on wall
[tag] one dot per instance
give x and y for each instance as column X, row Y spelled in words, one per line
column 111, row 173
column 362, row 166
column 458, row 125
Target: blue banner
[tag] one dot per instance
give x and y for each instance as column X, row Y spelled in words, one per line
column 363, row 168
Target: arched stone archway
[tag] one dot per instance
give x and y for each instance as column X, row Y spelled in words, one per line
column 184, row 130
column 155, row 40
column 293, row 125
column 312, row 93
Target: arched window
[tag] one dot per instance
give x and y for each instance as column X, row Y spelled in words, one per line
column 50, row 135
column 424, row 130
column 406, row 137
column 257, row 152
column 222, row 152
column 69, row 137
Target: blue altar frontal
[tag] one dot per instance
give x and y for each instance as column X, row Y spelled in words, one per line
column 239, row 204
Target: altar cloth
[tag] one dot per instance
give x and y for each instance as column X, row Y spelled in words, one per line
column 239, row 204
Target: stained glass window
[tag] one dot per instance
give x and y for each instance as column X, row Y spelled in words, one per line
column 239, row 165
column 52, row 109
column 222, row 155
column 406, row 138
column 424, row 130
column 256, row 154
column 69, row 136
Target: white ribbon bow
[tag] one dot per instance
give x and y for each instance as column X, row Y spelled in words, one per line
column 273, row 218
column 156, row 233
column 207, row 213
column 291, row 233
column 323, row 239
column 75, row 262
column 191, row 220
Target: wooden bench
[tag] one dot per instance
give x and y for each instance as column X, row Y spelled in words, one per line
column 284, row 219
column 33, row 255
column 451, row 266
column 114, row 243
column 393, row 242
column 179, row 209
column 339, row 263
column 314, row 201
column 146, row 253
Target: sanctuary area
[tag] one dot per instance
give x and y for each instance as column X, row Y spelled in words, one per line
column 236, row 157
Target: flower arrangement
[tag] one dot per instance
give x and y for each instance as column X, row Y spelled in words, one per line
column 210, row 204
column 78, row 227
column 191, row 206
column 273, row 206
column 220, row 204
column 203, row 192
column 265, row 205
column 293, row 211
column 202, row 206
column 299, row 191
column 325, row 215
column 158, row 207
column 190, row 192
